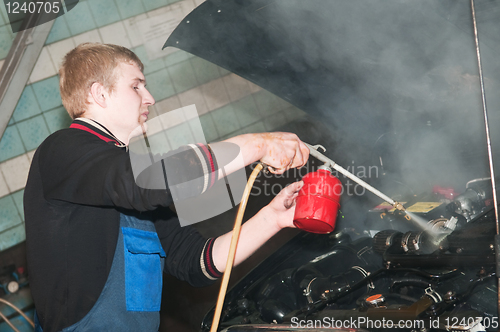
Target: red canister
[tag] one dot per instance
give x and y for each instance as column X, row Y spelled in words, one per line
column 318, row 202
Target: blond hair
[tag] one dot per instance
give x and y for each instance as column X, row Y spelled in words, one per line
column 87, row 64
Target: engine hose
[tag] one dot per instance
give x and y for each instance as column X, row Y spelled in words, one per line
column 438, row 276
column 334, row 296
column 232, row 248
column 397, row 284
column 452, row 302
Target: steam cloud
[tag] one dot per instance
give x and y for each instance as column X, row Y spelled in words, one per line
column 397, row 80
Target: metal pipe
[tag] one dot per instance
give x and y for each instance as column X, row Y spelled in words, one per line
column 490, row 153
column 486, row 122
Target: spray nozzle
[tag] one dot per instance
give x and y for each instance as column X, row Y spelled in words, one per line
column 399, row 206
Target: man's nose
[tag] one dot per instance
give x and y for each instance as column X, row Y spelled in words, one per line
column 148, row 98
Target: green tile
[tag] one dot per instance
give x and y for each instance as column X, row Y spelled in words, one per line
column 205, row 71
column 176, row 57
column 3, row 13
column 13, row 236
column 282, row 104
column 255, row 128
column 150, row 66
column 9, row 217
column 3, row 21
column 129, row 8
column 180, row 135
column 154, row 4
column 47, row 93
column 33, row 132
column 80, row 19
column 223, row 72
column 27, row 106
column 267, row 102
column 104, row 11
column 209, row 130
column 59, row 31
column 246, row 111
column 225, row 120
column 275, row 121
column 159, row 143
column 18, row 201
column 5, row 40
column 57, row 119
column 160, row 85
column 11, row 144
column 183, row 76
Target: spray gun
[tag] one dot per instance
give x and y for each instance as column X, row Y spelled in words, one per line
column 313, row 149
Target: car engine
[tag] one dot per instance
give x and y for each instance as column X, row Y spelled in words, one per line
column 438, row 279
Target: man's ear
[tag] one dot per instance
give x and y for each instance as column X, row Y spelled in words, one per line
column 98, row 94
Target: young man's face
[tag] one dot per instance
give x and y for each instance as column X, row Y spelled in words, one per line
column 130, row 98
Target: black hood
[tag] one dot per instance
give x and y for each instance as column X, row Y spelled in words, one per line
column 386, row 78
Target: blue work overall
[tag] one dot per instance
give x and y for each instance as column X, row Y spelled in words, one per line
column 131, row 297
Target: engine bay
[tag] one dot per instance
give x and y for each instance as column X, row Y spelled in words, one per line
column 393, row 274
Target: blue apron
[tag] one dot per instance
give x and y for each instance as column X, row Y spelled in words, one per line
column 131, row 297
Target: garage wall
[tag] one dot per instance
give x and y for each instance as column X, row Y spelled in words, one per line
column 227, row 104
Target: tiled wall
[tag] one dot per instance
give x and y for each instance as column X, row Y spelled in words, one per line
column 228, row 105
column 6, row 35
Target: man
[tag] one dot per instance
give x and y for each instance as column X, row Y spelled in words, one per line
column 97, row 242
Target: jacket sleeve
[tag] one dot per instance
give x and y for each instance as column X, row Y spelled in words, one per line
column 189, row 255
column 80, row 168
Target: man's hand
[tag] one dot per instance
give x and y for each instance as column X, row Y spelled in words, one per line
column 282, row 208
column 280, row 151
column 260, row 228
column 283, row 151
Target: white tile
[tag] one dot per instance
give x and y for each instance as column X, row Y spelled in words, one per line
column 174, row 12
column 215, row 94
column 15, row 172
column 167, row 105
column 236, row 87
column 59, row 49
column 188, row 6
column 133, row 32
column 172, row 118
column 44, row 67
column 4, row 190
column 91, row 36
column 194, row 96
column 30, row 155
column 163, row 10
column 198, row 2
column 115, row 34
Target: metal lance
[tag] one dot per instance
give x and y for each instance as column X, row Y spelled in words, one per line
column 490, row 154
column 328, row 162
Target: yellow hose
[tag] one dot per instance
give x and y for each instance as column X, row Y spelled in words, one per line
column 232, row 248
column 18, row 310
column 8, row 322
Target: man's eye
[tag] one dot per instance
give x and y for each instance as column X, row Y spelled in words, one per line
column 136, row 88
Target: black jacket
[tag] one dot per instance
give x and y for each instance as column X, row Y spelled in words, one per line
column 77, row 186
